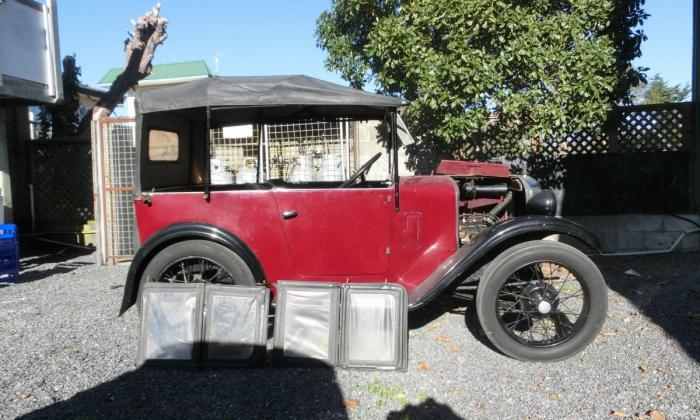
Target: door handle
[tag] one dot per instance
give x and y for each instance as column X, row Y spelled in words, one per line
column 289, row 214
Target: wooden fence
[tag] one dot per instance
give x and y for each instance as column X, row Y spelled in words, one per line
column 61, row 181
column 640, row 161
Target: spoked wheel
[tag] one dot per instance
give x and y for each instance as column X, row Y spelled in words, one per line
column 541, row 300
column 541, row 304
column 197, row 261
column 195, row 270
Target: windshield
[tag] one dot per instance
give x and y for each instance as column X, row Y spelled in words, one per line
column 404, row 135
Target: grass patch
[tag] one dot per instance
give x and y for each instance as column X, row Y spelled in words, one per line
column 384, row 394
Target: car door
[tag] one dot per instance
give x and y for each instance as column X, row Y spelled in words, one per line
column 337, row 231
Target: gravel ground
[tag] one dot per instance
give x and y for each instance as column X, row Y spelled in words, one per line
column 65, row 354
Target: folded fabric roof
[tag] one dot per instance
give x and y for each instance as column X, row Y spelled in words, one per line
column 272, row 93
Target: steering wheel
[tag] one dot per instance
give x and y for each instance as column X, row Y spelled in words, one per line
column 360, row 173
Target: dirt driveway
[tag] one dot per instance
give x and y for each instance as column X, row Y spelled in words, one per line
column 65, row 354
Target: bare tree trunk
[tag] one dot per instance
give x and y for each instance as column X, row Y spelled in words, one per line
column 149, row 32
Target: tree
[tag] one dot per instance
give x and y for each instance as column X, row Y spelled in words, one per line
column 484, row 77
column 62, row 119
column 658, row 91
column 149, row 32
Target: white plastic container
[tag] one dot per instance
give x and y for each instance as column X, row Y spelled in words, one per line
column 248, row 173
column 303, row 169
column 219, row 172
column 331, row 169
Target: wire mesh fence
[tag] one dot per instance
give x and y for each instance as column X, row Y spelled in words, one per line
column 234, row 154
column 296, row 152
column 308, row 151
column 116, row 168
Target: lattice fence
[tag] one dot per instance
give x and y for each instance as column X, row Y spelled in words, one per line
column 62, row 182
column 654, row 128
column 630, row 129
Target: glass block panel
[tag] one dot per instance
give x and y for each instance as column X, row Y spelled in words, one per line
column 170, row 323
column 306, row 326
column 374, row 332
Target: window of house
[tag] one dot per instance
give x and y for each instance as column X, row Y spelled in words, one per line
column 163, row 146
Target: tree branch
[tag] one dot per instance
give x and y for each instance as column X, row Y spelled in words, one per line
column 149, row 32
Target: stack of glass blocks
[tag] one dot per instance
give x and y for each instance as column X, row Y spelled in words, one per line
column 193, row 324
column 350, row 325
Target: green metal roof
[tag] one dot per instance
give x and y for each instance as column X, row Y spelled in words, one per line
column 164, row 71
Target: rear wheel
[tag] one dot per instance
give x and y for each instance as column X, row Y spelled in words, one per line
column 541, row 301
column 197, row 261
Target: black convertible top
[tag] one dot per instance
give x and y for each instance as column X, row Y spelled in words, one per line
column 269, row 94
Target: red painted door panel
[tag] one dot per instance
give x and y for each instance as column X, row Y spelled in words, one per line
column 337, row 232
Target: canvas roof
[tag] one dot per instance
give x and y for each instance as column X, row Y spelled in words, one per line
column 270, row 97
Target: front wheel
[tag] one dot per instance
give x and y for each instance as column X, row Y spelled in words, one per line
column 541, row 301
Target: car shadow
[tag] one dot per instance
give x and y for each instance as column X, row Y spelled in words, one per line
column 429, row 409
column 433, row 310
column 667, row 292
column 448, row 304
column 175, row 392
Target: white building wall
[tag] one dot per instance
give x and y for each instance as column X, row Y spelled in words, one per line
column 5, row 184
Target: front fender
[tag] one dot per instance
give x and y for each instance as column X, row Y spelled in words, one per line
column 181, row 232
column 509, row 232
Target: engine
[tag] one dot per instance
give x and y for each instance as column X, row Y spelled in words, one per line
column 489, row 193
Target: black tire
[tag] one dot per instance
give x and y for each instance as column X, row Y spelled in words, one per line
column 228, row 260
column 505, row 274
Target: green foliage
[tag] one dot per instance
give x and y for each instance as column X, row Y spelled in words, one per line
column 62, row 119
column 484, row 77
column 387, row 393
column 658, row 91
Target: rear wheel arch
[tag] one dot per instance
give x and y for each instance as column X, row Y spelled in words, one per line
column 174, row 234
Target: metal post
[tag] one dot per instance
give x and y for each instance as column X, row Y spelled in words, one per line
column 395, row 160
column 266, row 140
column 207, row 157
column 347, row 148
column 695, row 147
column 99, row 189
column 341, row 127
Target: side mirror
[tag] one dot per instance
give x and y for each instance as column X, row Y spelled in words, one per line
column 543, row 203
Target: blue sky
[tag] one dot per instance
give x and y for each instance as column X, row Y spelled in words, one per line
column 668, row 50
column 277, row 37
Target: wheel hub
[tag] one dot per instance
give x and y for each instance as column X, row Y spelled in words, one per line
column 541, row 298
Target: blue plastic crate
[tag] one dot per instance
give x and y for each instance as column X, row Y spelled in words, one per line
column 9, row 254
column 8, row 233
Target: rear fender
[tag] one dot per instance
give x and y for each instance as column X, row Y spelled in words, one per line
column 490, row 242
column 177, row 233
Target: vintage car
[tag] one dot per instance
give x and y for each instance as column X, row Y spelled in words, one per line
column 470, row 229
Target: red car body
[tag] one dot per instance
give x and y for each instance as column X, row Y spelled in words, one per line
column 341, row 235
